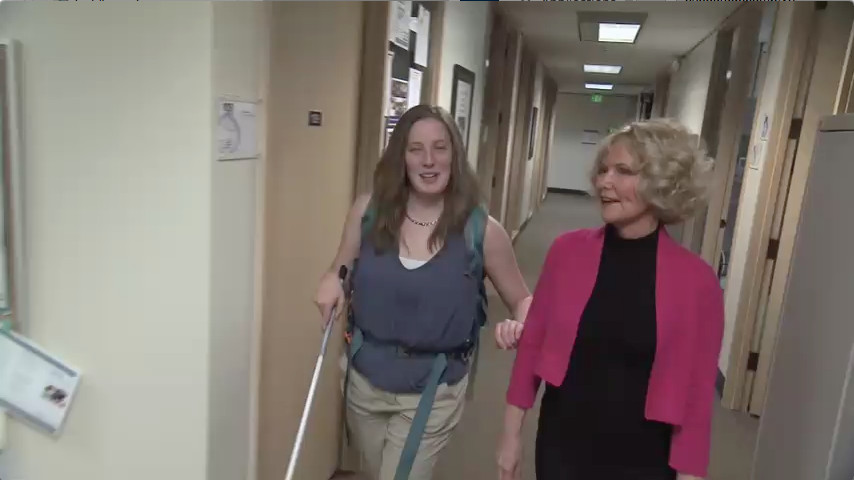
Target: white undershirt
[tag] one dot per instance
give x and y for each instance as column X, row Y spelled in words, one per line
column 411, row 263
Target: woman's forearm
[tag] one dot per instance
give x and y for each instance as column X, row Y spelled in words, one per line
column 520, row 310
column 514, row 418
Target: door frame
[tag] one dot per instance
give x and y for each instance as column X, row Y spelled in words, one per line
column 776, row 101
column 518, row 159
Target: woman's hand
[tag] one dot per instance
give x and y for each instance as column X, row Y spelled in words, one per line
column 510, row 457
column 507, row 334
column 330, row 294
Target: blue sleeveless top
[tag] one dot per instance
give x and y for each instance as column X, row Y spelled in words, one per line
column 432, row 307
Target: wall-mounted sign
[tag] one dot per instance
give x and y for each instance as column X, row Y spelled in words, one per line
column 315, row 118
column 596, row 98
column 236, row 130
column 34, row 385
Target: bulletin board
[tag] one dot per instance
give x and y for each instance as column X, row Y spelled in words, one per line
column 408, row 58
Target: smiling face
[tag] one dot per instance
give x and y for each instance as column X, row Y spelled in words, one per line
column 429, row 155
column 617, row 181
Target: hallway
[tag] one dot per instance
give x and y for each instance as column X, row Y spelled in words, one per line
column 471, row 453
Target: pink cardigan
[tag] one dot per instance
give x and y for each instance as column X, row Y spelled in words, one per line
column 690, row 321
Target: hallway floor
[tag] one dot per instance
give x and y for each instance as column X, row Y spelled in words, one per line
column 471, row 453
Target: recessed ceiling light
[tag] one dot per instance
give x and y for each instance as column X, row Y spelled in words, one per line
column 618, row 32
column 599, row 86
column 611, row 69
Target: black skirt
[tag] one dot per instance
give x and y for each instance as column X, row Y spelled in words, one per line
column 577, row 452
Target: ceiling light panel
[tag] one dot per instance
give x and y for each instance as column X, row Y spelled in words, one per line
column 618, row 32
column 609, row 69
column 610, row 27
column 599, row 86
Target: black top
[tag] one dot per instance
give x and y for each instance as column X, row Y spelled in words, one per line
column 595, row 420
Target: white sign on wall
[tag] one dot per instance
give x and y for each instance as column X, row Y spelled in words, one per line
column 34, row 385
column 236, row 130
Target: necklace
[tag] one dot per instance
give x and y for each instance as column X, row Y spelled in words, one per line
column 421, row 224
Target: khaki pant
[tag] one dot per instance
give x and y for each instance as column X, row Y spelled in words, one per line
column 379, row 422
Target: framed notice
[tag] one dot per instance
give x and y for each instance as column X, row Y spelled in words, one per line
column 462, row 94
column 35, row 386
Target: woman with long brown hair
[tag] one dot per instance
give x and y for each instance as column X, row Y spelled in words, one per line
column 424, row 247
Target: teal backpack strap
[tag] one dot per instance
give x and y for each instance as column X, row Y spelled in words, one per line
column 475, row 230
column 474, row 233
column 419, row 421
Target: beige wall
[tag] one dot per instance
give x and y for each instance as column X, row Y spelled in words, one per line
column 117, row 204
column 309, row 189
column 240, row 57
column 570, row 160
column 689, row 86
column 464, row 42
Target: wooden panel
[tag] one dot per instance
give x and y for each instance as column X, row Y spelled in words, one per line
column 372, row 93
column 520, row 142
column 498, row 44
column 305, row 166
column 540, row 168
column 506, row 127
column 437, row 30
column 551, row 89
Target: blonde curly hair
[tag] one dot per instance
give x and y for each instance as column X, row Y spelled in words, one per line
column 673, row 166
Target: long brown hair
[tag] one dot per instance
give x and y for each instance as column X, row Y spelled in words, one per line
column 391, row 184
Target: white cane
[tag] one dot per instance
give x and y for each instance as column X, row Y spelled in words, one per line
column 342, row 274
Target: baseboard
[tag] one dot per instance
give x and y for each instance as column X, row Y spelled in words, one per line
column 720, row 383
column 568, row 191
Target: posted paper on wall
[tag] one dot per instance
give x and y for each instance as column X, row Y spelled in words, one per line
column 422, row 43
column 461, row 111
column 35, row 386
column 399, row 23
column 414, row 93
column 236, row 130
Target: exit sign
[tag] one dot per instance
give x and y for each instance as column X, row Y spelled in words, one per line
column 596, row 98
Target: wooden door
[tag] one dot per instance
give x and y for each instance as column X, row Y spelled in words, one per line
column 494, row 90
column 817, row 98
column 737, row 105
column 762, row 177
column 505, row 125
column 521, row 135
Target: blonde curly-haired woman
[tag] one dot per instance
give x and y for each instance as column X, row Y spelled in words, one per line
column 625, row 326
